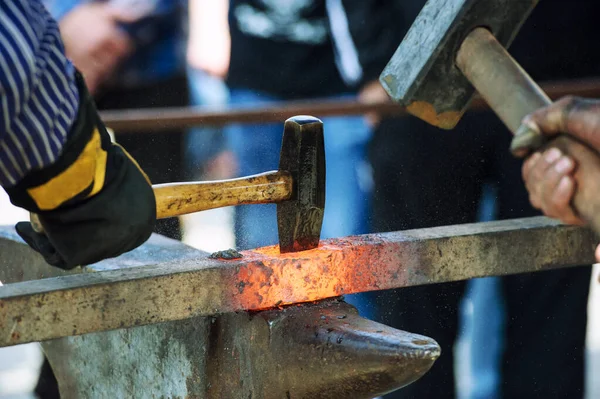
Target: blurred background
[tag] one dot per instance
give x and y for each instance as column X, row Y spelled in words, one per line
column 522, row 335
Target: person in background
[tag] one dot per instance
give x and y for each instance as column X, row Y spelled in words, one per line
column 208, row 52
column 206, row 156
column 426, row 177
column 132, row 54
column 297, row 50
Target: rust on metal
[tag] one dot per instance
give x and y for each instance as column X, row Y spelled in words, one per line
column 77, row 304
column 228, row 254
column 427, row 112
column 423, row 68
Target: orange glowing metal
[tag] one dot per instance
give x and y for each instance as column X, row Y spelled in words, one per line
column 336, row 268
column 264, row 278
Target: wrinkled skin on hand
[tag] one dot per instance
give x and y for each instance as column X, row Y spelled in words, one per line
column 563, row 178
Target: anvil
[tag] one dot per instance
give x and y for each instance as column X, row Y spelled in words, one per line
column 228, row 326
column 177, row 283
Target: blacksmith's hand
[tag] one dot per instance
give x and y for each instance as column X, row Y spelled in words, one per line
column 550, row 174
column 93, row 203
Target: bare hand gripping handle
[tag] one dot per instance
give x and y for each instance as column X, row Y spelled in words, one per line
column 512, row 94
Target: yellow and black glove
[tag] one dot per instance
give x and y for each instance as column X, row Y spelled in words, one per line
column 93, row 203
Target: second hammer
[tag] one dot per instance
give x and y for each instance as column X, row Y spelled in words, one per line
column 298, row 188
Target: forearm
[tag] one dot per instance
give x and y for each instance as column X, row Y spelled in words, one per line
column 207, row 17
column 39, row 97
column 209, row 42
column 56, row 156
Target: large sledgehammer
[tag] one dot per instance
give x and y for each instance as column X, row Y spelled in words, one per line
column 457, row 46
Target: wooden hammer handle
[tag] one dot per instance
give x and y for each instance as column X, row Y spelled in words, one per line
column 174, row 199
column 512, row 94
column 499, row 79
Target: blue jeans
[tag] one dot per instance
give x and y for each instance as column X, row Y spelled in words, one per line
column 348, row 182
column 481, row 337
column 203, row 142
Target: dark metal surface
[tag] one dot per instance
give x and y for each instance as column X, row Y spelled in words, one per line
column 423, row 76
column 320, row 351
column 161, row 119
column 199, row 286
column 309, row 351
column 299, row 219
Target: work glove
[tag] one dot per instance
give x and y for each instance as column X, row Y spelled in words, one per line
column 93, row 203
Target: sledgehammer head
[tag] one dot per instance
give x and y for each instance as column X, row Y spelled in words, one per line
column 423, row 76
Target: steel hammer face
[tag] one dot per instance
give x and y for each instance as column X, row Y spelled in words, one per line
column 423, row 76
column 299, row 219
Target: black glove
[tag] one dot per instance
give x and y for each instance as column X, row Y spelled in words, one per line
column 93, row 203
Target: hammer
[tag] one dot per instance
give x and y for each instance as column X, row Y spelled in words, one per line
column 298, row 188
column 455, row 47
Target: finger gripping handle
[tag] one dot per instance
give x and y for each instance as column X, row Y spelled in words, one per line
column 587, row 178
column 526, row 141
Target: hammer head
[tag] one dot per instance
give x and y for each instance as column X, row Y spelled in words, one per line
column 423, row 76
column 299, row 220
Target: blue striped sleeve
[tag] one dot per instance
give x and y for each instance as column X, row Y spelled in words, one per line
column 38, row 95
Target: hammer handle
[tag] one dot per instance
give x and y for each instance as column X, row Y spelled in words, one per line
column 512, row 94
column 499, row 79
column 175, row 199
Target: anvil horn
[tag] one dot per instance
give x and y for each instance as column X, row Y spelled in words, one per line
column 318, row 351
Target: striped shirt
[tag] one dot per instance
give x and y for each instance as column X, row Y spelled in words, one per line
column 38, row 95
